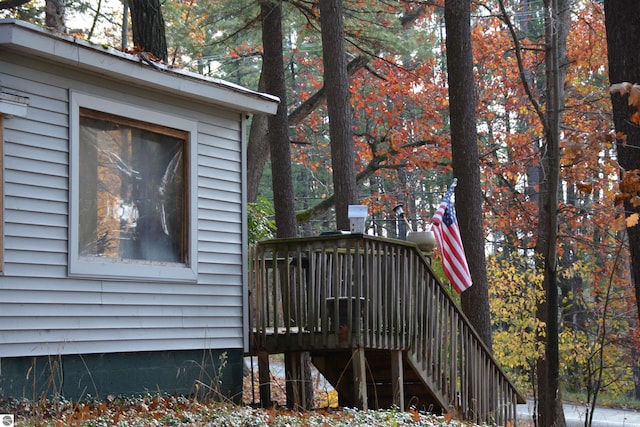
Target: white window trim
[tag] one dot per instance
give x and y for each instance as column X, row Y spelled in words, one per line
column 119, row 269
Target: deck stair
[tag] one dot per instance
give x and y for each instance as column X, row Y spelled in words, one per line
column 377, row 324
column 338, row 369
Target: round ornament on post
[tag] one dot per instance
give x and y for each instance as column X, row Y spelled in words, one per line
column 425, row 240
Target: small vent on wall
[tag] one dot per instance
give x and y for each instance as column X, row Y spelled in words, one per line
column 13, row 105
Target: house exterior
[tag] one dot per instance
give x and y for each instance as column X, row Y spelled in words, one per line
column 124, row 250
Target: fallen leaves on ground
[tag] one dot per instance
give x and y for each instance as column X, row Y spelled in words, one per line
column 165, row 410
column 181, row 411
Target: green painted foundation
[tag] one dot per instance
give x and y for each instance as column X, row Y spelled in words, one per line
column 214, row 374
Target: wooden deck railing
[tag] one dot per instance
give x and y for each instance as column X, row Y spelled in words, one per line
column 355, row 291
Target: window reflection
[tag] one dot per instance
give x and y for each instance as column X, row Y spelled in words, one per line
column 132, row 190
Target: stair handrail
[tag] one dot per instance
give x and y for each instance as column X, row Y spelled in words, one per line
column 365, row 291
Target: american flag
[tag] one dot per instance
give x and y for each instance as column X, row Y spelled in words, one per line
column 445, row 227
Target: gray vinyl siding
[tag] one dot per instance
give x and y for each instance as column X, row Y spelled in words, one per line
column 45, row 311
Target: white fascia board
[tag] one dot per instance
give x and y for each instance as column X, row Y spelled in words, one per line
column 32, row 40
column 13, row 105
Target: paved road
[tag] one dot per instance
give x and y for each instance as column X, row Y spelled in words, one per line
column 602, row 417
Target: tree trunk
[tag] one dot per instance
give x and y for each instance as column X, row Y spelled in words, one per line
column 336, row 82
column 257, row 137
column 257, row 148
column 278, row 128
column 464, row 147
column 54, row 15
column 550, row 411
column 148, row 28
column 297, row 366
column 623, row 35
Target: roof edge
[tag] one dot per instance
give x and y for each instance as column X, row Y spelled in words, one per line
column 137, row 69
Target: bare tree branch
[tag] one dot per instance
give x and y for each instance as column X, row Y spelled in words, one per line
column 523, row 78
column 10, row 4
column 378, row 162
column 311, row 103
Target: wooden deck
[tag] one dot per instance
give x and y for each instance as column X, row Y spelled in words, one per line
column 377, row 323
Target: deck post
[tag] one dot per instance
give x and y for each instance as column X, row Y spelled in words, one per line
column 397, row 379
column 360, row 377
column 296, row 380
column 264, row 379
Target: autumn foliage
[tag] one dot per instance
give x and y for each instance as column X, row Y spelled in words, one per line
column 401, row 132
column 403, row 152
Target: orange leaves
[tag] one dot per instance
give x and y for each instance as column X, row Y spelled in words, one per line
column 635, row 118
column 82, row 412
column 183, row 411
column 585, row 188
column 632, row 220
column 245, row 50
column 633, row 90
column 629, row 190
column 414, row 414
column 573, row 152
column 137, row 50
column 630, row 184
column 622, row 137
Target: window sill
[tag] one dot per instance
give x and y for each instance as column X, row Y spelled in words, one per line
column 132, row 270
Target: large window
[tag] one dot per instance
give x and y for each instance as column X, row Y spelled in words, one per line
column 133, row 215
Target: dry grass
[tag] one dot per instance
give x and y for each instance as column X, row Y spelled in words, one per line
column 162, row 410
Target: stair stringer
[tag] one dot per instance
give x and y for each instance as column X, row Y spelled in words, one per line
column 336, row 368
